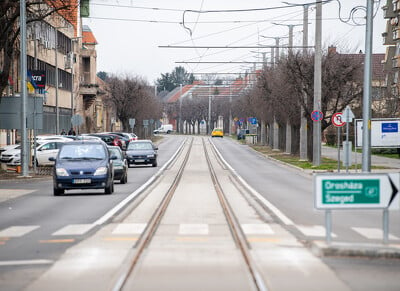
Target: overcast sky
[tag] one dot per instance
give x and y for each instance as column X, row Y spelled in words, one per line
column 129, row 32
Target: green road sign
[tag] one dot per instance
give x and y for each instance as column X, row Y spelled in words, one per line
column 356, row 190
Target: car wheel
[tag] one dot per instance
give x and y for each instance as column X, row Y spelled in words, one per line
column 57, row 191
column 124, row 179
column 154, row 164
column 109, row 189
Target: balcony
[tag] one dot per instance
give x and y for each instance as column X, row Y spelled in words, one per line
column 388, row 10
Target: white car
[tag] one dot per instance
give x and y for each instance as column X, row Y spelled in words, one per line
column 8, row 147
column 46, row 150
column 43, row 138
column 11, row 156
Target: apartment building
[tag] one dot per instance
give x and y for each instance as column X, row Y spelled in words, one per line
column 65, row 53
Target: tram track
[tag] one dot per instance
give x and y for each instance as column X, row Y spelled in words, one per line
column 237, row 234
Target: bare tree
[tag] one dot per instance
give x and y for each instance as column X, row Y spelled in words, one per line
column 37, row 10
column 132, row 97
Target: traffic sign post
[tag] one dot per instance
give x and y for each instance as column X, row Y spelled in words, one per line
column 357, row 191
column 337, row 121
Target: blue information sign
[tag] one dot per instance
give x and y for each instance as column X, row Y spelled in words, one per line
column 390, row 127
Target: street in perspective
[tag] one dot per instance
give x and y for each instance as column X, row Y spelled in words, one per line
column 268, row 159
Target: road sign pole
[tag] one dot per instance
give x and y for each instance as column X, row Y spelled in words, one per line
column 385, row 226
column 338, row 149
column 328, row 225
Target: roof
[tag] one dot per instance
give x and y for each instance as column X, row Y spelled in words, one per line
column 70, row 14
column 200, row 89
column 88, row 36
column 378, row 66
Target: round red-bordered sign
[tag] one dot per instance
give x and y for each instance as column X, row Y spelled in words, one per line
column 317, row 115
column 337, row 119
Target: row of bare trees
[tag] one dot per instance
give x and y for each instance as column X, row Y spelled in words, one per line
column 132, row 97
column 286, row 88
column 282, row 90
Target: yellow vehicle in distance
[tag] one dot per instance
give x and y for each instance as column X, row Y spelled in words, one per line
column 217, row 132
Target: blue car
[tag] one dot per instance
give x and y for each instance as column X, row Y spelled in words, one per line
column 84, row 164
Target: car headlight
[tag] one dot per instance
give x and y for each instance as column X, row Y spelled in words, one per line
column 61, row 172
column 101, row 171
column 150, row 156
column 17, row 155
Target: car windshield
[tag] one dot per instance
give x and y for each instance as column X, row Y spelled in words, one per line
column 140, row 146
column 116, row 153
column 82, row 151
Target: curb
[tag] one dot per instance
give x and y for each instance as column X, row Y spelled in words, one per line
column 337, row 249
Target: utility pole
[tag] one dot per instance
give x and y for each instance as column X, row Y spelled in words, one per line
column 275, row 126
column 303, row 119
column 366, row 141
column 317, row 84
column 290, row 52
column 23, row 69
column 56, row 79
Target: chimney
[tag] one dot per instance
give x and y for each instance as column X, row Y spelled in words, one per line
column 331, row 50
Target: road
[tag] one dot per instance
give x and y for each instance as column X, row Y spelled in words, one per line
column 36, row 228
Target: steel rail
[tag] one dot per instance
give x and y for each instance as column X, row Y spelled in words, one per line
column 234, row 225
column 152, row 225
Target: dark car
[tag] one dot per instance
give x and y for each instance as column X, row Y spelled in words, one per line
column 120, row 164
column 141, row 152
column 110, row 139
column 84, row 164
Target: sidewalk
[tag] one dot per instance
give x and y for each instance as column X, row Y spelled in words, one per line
column 332, row 153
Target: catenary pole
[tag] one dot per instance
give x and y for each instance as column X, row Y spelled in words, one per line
column 366, row 133
column 23, row 69
column 317, row 84
column 303, row 119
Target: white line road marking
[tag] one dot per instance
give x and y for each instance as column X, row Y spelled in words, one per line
column 372, row 233
column 17, row 231
column 7, row 194
column 261, row 229
column 194, row 229
column 129, row 228
column 74, row 229
column 315, row 230
column 25, row 262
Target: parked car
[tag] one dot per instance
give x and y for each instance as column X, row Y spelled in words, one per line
column 11, row 156
column 8, row 147
column 165, row 128
column 46, row 150
column 84, row 164
column 123, row 136
column 129, row 136
column 217, row 132
column 142, row 152
column 120, row 164
column 110, row 139
column 43, row 138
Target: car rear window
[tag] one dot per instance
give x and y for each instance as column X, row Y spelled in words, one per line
column 140, row 146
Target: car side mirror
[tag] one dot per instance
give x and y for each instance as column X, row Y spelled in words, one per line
column 52, row 159
column 156, row 148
